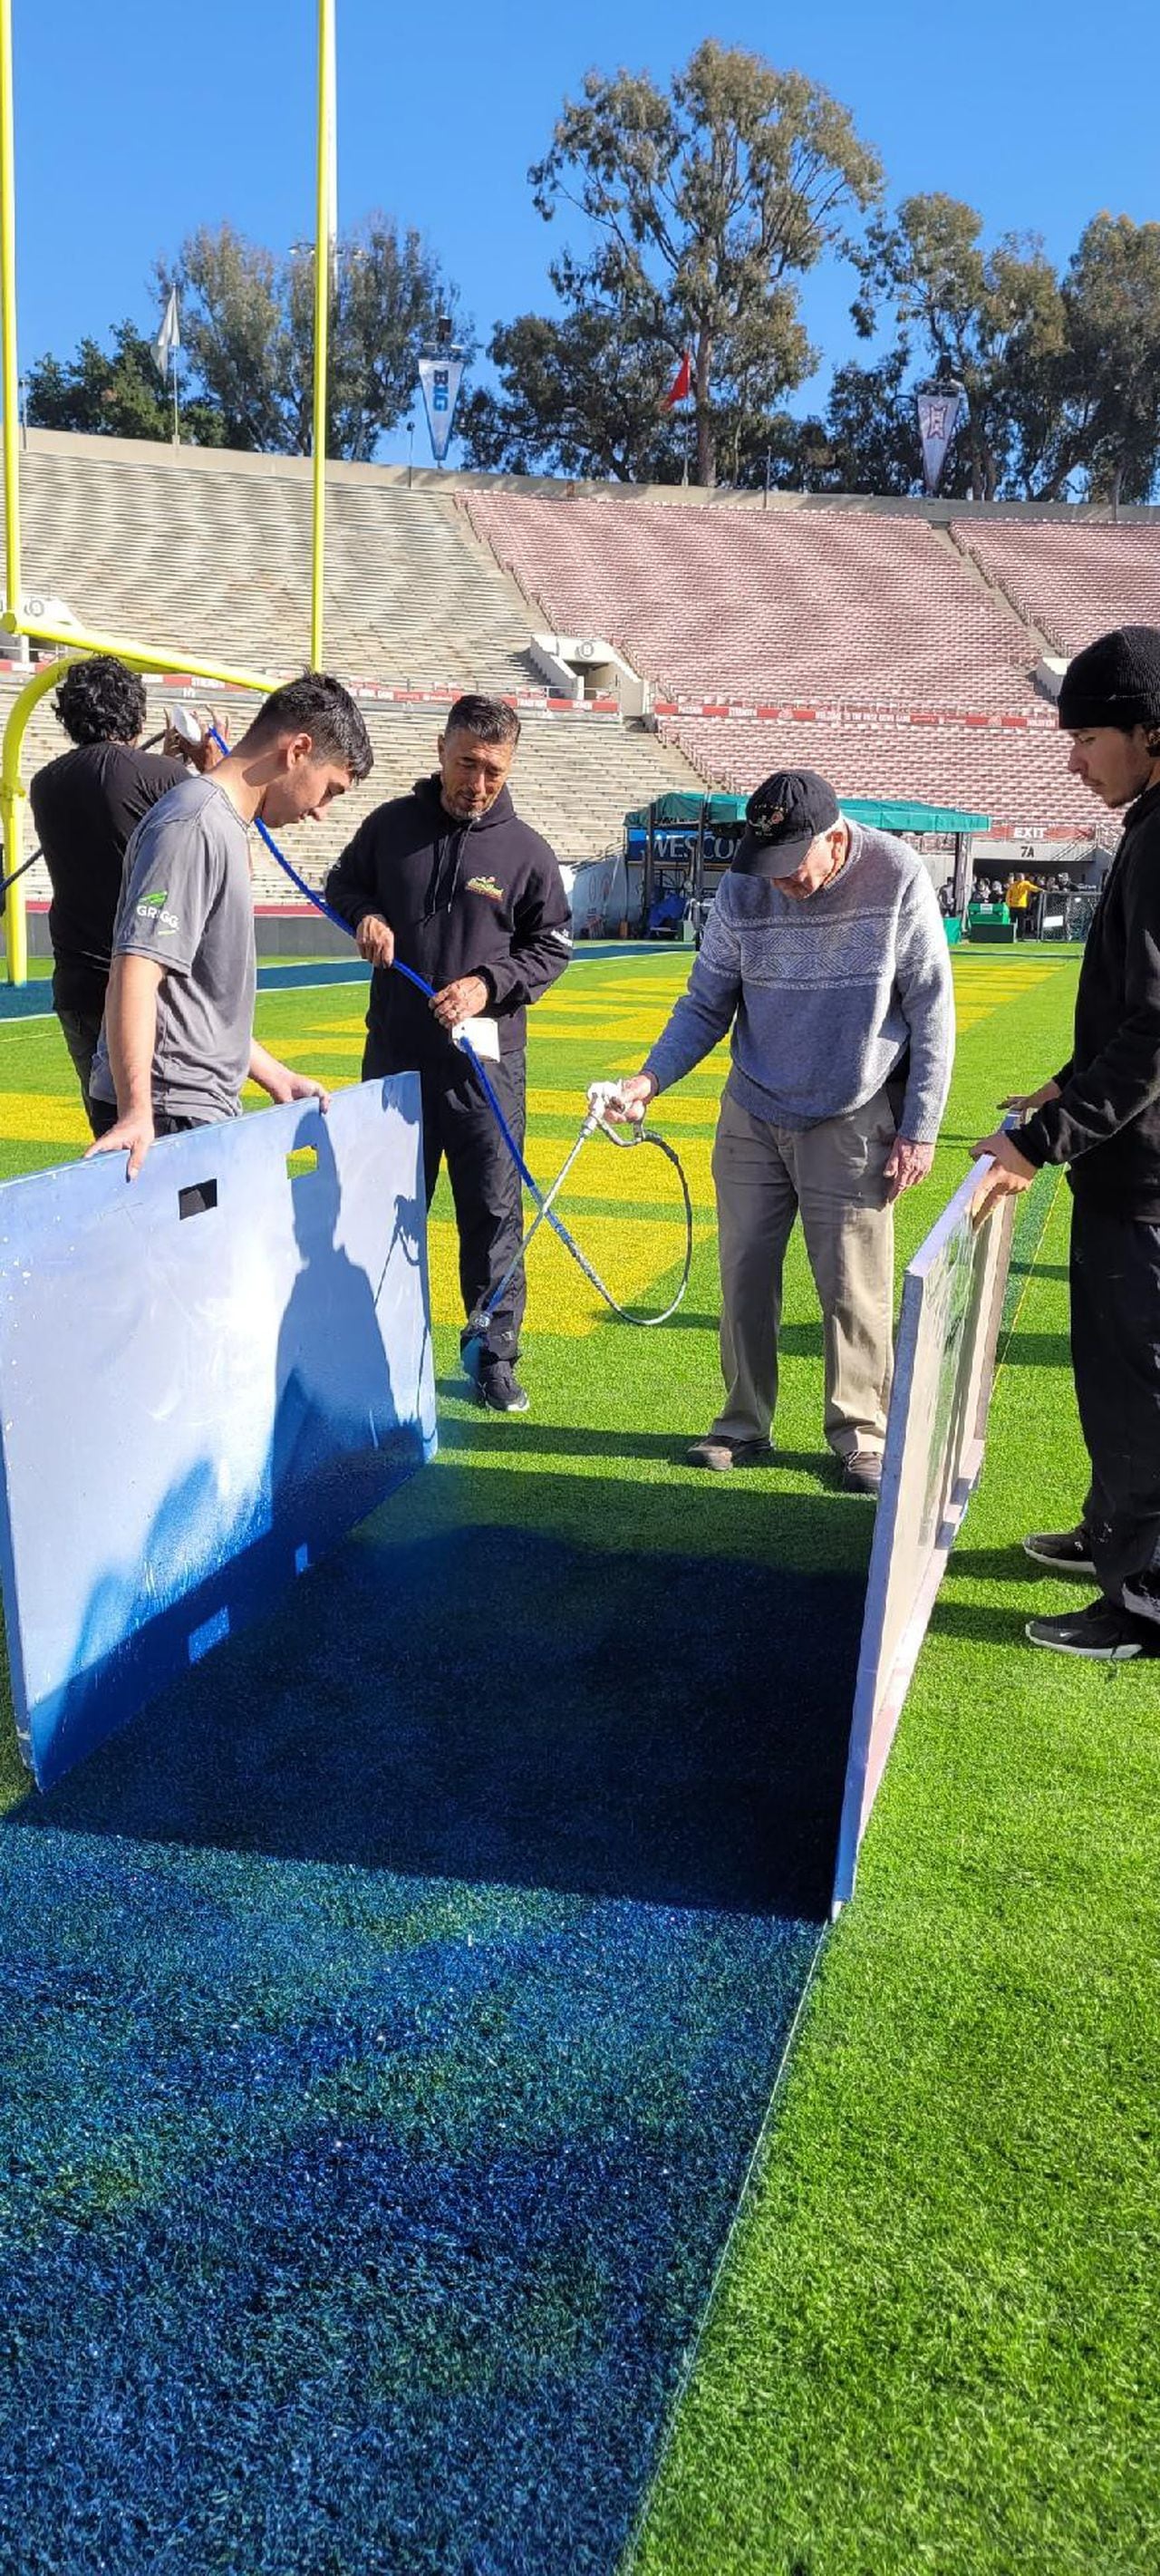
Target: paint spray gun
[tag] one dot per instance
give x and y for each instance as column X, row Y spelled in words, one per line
column 606, row 1100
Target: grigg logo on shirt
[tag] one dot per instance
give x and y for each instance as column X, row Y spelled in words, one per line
column 152, row 909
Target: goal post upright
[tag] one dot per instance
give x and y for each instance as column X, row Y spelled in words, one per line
column 15, row 933
column 158, row 659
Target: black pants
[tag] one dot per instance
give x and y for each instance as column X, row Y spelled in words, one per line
column 485, row 1185
column 81, row 1029
column 103, row 1116
column 1115, row 1350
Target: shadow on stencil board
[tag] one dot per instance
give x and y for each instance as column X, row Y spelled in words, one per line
column 483, row 1702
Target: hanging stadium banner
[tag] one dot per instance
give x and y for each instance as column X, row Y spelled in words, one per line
column 440, row 379
column 948, row 1336
column 940, row 408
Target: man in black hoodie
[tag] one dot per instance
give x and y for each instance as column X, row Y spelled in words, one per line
column 1100, row 1114
column 450, row 882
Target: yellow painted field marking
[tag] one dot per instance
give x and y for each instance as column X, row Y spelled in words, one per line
column 628, row 1256
column 605, row 1174
column 42, row 1118
column 304, row 1051
column 341, row 1026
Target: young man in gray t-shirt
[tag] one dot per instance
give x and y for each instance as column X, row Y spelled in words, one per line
column 178, row 1043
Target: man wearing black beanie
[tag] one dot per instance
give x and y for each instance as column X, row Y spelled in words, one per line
column 1100, row 1114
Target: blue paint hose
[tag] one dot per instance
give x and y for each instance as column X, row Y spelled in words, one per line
column 21, row 871
column 545, row 1211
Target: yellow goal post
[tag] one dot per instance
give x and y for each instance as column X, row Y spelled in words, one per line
column 167, row 661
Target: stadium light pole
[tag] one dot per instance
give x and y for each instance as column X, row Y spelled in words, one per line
column 324, row 244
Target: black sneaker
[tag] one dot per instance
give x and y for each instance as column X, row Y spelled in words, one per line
column 498, row 1387
column 1061, row 1551
column 1101, row 1633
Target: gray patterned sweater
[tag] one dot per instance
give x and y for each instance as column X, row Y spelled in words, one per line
column 827, row 998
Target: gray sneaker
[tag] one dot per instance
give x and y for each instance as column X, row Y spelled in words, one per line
column 720, row 1453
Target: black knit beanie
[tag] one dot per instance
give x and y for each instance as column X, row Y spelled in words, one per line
column 1115, row 681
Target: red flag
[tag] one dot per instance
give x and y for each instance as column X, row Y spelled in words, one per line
column 681, row 386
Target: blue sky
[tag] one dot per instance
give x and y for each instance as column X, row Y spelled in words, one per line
column 135, row 124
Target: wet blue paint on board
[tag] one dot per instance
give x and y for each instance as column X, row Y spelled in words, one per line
column 206, row 1378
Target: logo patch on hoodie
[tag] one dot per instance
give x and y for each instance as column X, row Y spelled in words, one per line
column 484, row 885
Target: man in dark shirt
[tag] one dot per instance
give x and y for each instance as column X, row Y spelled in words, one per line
column 449, row 881
column 85, row 806
column 1100, row 1114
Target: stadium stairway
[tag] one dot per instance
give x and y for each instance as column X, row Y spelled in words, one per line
column 794, row 606
column 1074, row 581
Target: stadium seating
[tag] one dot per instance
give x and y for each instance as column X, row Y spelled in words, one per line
column 1018, row 775
column 909, row 646
column 1075, row 579
column 576, row 778
column 789, row 606
column 211, row 554
column 185, row 551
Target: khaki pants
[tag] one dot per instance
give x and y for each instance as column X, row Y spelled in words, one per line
column 832, row 1173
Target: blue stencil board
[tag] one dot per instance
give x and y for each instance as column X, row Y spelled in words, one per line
column 207, row 1377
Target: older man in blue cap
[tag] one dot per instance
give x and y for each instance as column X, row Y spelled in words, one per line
column 825, row 956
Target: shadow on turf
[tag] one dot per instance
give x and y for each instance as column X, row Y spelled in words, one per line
column 798, row 1341
column 1008, row 1565
column 1037, row 1350
column 466, row 1431
column 975, row 1622
column 586, row 1708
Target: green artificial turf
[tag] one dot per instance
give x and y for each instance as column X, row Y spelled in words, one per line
column 930, row 2346
column 933, row 2346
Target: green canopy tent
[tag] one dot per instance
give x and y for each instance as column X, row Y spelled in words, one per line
column 677, row 826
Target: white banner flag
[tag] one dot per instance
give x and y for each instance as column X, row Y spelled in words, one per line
column 440, row 379
column 168, row 338
column 938, row 415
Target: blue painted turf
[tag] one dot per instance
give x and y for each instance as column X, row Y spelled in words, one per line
column 26, row 1001
column 389, row 2015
